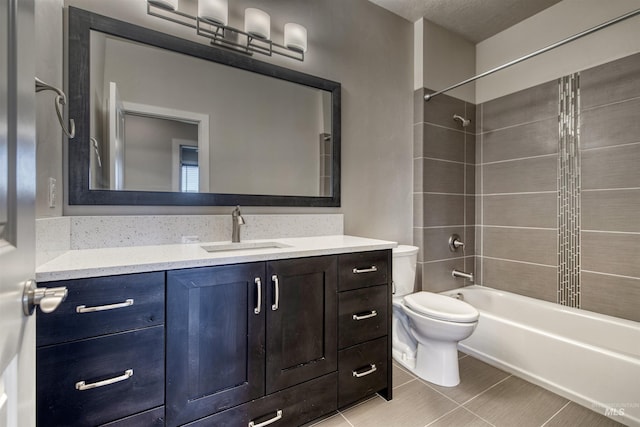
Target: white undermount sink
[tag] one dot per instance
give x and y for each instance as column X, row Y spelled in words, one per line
column 243, row 246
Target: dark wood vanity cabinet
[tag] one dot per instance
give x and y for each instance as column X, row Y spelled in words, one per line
column 282, row 342
column 237, row 333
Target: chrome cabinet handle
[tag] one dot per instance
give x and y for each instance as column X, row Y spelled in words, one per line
column 276, row 291
column 85, row 309
column 81, row 385
column 259, row 289
column 371, row 314
column 371, row 370
column 270, row 421
column 371, row 269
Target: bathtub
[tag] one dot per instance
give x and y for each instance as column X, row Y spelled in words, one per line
column 590, row 358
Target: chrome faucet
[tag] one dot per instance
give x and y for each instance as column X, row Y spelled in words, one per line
column 458, row 273
column 237, row 221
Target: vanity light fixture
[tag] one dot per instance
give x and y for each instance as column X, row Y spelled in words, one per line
column 212, row 23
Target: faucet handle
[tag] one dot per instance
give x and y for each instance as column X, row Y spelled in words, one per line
column 455, row 243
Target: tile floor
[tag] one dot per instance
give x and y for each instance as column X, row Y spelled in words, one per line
column 486, row 396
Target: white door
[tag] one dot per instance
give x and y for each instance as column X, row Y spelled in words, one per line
column 17, row 213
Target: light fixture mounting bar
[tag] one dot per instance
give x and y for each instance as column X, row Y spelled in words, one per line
column 225, row 36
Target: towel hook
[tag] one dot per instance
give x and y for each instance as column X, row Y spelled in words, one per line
column 61, row 99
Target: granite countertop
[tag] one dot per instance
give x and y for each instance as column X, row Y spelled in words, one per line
column 76, row 264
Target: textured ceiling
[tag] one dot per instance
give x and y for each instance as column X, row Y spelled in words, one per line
column 475, row 20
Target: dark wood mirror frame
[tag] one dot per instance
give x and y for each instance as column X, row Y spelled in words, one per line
column 81, row 22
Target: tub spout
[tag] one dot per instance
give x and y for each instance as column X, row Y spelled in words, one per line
column 458, row 273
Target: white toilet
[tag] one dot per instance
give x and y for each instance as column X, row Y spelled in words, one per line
column 427, row 326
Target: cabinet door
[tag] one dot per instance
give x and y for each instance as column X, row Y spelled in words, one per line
column 301, row 320
column 215, row 339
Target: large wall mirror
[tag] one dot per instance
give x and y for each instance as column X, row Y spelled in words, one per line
column 165, row 121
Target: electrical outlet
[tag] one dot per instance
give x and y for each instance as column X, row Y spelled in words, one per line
column 53, row 196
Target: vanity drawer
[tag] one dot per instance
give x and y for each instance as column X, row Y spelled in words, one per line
column 298, row 405
column 133, row 361
column 362, row 269
column 151, row 418
column 103, row 305
column 362, row 371
column 362, row 315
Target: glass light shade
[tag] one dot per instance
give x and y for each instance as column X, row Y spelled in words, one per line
column 165, row 4
column 214, row 11
column 295, row 37
column 257, row 23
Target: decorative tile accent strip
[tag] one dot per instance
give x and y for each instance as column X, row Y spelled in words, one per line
column 569, row 192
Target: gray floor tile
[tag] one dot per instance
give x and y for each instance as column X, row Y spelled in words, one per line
column 515, row 402
column 475, row 377
column 400, row 376
column 576, row 415
column 459, row 418
column 336, row 420
column 414, row 405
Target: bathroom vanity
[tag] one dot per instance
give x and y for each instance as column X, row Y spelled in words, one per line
column 175, row 335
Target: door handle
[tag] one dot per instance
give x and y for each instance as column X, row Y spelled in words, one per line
column 47, row 298
column 258, row 307
column 276, row 292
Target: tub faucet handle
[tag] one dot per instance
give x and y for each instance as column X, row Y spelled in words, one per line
column 455, row 243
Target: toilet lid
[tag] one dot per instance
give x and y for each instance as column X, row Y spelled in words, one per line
column 441, row 307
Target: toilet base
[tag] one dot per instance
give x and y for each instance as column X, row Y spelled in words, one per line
column 434, row 361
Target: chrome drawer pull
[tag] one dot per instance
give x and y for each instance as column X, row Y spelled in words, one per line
column 259, row 303
column 85, row 309
column 371, row 269
column 371, row 314
column 81, row 385
column 266, row 423
column 276, row 291
column 365, row 373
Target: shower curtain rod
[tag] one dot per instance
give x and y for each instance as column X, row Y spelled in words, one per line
column 536, row 53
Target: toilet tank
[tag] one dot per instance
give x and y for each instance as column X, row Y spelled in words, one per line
column 404, row 269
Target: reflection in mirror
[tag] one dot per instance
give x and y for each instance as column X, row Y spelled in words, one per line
column 169, row 122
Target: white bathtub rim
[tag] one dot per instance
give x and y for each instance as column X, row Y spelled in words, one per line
column 548, row 385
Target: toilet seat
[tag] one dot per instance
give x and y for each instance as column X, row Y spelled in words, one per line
column 441, row 307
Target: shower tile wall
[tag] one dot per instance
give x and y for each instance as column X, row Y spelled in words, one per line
column 444, row 189
column 610, row 151
column 517, row 192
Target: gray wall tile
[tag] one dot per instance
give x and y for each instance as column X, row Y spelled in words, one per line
column 470, row 210
column 615, row 167
column 442, row 177
column 436, row 276
column 418, row 210
column 525, row 279
column 613, row 253
column 528, row 140
column 418, row 140
column 521, row 244
column 470, row 179
column 442, row 143
column 613, row 124
column 418, row 240
column 470, row 148
column 529, row 105
column 442, row 209
column 527, row 175
column 418, row 105
column 436, row 243
column 615, row 296
column 615, row 81
column 611, row 210
column 523, row 210
column 469, row 239
column 470, row 113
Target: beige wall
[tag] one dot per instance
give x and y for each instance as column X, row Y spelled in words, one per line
column 368, row 50
column 565, row 19
column 445, row 59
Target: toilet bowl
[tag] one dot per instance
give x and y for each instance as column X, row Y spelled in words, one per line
column 426, row 327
